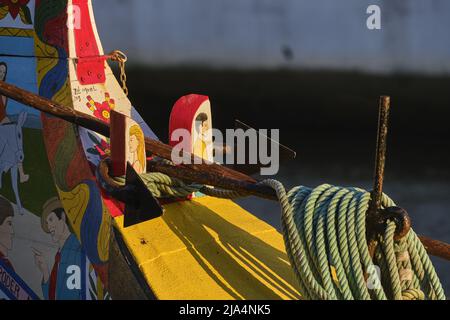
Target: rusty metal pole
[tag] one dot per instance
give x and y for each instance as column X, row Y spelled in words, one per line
column 436, row 248
column 380, row 158
column 373, row 213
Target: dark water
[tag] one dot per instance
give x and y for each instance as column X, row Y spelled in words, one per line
column 330, row 119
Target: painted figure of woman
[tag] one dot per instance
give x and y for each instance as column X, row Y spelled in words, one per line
column 137, row 149
column 202, row 141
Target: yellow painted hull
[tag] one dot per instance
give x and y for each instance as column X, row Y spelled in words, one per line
column 210, row 249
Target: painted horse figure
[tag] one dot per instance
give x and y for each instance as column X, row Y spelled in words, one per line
column 11, row 153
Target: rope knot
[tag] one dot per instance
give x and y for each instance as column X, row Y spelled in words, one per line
column 413, row 294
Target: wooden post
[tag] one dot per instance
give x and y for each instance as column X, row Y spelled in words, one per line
column 117, row 143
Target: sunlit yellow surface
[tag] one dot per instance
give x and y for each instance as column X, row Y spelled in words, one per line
column 211, row 248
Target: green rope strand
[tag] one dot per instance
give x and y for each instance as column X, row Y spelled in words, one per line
column 162, row 186
column 388, row 249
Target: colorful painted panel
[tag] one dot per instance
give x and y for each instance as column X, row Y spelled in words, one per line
column 45, row 251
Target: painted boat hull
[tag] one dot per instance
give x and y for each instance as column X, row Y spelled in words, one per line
column 61, row 236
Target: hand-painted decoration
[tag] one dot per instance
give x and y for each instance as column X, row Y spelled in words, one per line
column 100, row 147
column 11, row 285
column 56, row 225
column 16, row 8
column 128, row 145
column 12, row 156
column 101, row 111
column 190, row 127
column 70, row 263
column 193, row 114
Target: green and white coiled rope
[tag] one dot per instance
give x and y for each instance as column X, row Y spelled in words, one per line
column 325, row 236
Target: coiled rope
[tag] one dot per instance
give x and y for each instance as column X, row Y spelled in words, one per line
column 324, row 231
column 325, row 236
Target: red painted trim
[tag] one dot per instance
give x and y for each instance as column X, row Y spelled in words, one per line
column 91, row 71
column 90, row 67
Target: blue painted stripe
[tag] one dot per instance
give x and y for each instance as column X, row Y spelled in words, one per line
column 20, row 46
column 19, row 281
